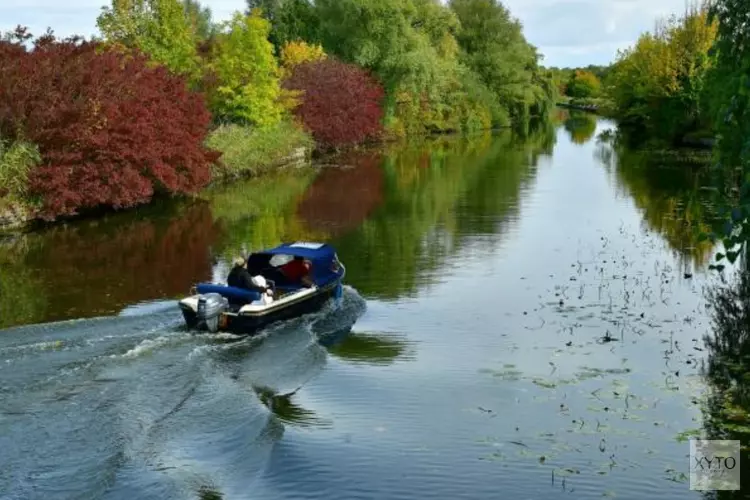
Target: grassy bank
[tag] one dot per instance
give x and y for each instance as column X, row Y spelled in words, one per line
column 247, row 151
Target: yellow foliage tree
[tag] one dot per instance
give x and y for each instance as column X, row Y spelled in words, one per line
column 298, row 52
column 294, row 53
column 658, row 82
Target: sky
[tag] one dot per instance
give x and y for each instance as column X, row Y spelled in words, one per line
column 569, row 33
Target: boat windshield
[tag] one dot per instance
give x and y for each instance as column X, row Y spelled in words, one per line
column 280, row 259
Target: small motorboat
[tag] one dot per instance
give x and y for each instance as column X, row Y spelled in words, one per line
column 218, row 307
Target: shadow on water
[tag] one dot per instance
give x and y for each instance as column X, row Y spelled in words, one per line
column 279, row 363
column 282, row 406
column 726, row 412
column 207, row 493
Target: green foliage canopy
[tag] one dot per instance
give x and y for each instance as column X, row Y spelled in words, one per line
column 583, row 84
column 247, row 72
column 291, row 20
column 159, row 28
column 658, row 84
column 493, row 45
column 199, row 19
column 729, row 104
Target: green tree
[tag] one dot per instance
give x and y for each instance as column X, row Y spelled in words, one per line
column 493, row 45
column 159, row 28
column 199, row 18
column 729, row 104
column 583, row 84
column 658, row 84
column 291, row 20
column 394, row 39
column 411, row 45
column 243, row 63
column 560, row 78
column 378, row 35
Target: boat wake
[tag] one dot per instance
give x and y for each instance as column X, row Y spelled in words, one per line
column 136, row 406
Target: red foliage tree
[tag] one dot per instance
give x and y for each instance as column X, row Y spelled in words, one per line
column 341, row 103
column 113, row 129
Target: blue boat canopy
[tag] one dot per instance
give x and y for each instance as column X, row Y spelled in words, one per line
column 307, row 250
column 325, row 266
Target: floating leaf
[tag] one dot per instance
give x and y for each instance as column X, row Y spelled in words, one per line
column 542, row 383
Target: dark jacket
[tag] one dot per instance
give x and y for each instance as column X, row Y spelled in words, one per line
column 240, row 278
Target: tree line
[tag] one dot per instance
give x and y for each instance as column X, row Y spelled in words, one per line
column 687, row 82
column 690, row 78
column 165, row 100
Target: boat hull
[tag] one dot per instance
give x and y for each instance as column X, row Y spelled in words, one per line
column 251, row 324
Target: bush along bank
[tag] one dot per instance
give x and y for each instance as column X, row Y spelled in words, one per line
column 165, row 101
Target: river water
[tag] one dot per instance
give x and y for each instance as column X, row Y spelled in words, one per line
column 523, row 318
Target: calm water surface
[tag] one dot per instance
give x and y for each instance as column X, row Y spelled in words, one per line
column 523, row 319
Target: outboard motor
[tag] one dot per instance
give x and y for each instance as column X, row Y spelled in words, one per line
column 210, row 307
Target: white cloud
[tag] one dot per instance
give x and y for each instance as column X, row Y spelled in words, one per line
column 567, row 32
column 581, row 32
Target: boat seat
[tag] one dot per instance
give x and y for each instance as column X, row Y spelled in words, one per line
column 233, row 294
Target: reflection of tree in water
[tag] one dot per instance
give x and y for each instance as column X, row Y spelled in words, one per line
column 727, row 371
column 437, row 194
column 369, row 348
column 261, row 212
column 340, row 199
column 21, row 297
column 666, row 187
column 581, row 126
column 98, row 267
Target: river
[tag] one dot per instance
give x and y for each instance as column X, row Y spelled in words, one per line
column 522, row 319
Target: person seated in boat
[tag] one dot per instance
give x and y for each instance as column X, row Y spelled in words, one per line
column 298, row 271
column 239, row 277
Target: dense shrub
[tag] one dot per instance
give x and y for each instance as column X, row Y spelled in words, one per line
column 248, row 151
column 341, row 104
column 112, row 129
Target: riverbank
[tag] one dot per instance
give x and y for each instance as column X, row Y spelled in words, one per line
column 698, row 139
column 599, row 105
column 246, row 152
